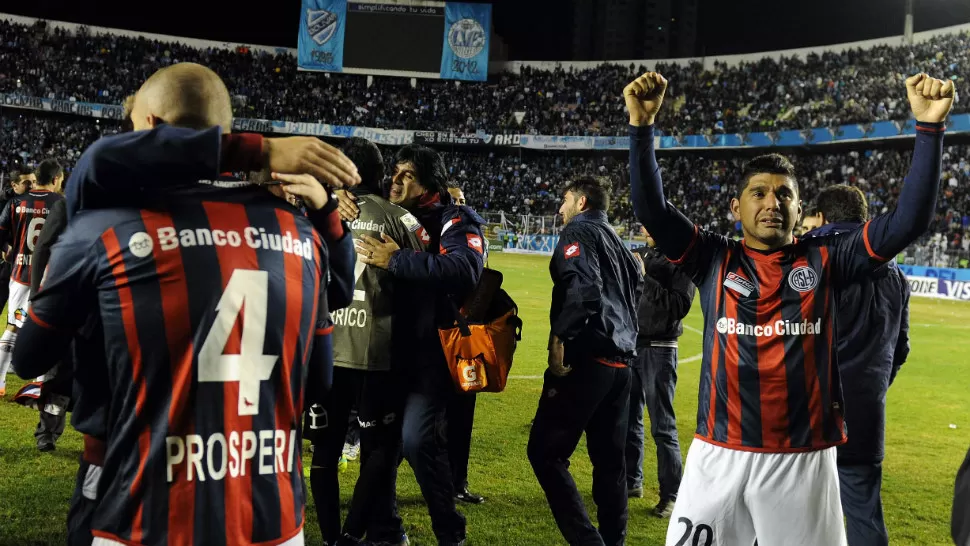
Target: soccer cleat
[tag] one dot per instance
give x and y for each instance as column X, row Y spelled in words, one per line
column 664, row 509
column 352, row 451
column 46, row 445
column 635, row 493
column 467, row 496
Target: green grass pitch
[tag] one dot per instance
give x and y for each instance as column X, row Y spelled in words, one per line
column 923, row 451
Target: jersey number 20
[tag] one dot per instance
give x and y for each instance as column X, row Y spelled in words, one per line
column 250, row 367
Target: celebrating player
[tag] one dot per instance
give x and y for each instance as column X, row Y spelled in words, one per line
column 210, row 302
column 769, row 416
column 20, row 224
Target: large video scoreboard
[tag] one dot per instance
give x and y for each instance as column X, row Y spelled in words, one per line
column 410, row 38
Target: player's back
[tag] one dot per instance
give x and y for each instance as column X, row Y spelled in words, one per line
column 209, row 306
column 24, row 217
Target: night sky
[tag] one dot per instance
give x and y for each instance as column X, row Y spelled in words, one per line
column 740, row 26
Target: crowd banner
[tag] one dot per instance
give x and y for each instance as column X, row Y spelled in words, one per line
column 464, row 54
column 959, row 123
column 321, row 40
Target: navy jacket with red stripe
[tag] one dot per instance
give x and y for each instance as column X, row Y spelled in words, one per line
column 595, row 292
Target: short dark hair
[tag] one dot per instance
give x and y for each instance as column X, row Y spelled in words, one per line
column 369, row 161
column 843, row 203
column 596, row 190
column 767, row 164
column 810, row 209
column 47, row 171
column 432, row 173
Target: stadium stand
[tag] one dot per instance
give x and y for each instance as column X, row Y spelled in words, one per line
column 855, row 86
column 522, row 186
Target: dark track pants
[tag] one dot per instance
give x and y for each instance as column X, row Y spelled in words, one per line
column 593, row 398
column 373, row 508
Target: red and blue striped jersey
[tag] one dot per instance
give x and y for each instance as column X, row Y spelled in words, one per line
column 209, row 307
column 20, row 225
column 769, row 377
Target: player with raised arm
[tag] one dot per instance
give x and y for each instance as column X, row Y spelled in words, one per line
column 763, row 463
column 211, row 300
column 20, row 224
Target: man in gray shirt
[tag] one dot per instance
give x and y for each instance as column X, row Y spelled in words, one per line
column 367, row 337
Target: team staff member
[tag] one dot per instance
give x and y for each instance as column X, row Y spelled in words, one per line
column 592, row 343
column 449, row 270
column 873, row 334
column 370, row 339
column 461, row 416
column 666, row 299
column 770, row 399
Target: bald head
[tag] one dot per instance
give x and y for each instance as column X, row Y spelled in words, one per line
column 183, row 95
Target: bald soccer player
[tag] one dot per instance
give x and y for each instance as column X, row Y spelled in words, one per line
column 211, row 298
column 172, row 148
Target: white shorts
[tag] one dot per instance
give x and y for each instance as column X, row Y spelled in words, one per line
column 18, row 303
column 730, row 498
column 295, row 541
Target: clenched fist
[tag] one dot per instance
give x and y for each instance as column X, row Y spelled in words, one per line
column 930, row 98
column 643, row 98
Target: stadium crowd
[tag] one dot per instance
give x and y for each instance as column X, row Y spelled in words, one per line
column 520, row 184
column 855, row 86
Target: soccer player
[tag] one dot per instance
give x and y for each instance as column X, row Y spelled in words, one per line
column 211, row 301
column 667, row 296
column 20, row 224
column 873, row 342
column 447, row 272
column 763, row 463
column 593, row 340
column 370, row 340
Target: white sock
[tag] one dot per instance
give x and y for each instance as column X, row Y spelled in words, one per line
column 6, row 353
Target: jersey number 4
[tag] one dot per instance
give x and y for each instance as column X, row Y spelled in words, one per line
column 250, row 367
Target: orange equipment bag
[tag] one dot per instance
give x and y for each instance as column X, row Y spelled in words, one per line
column 481, row 342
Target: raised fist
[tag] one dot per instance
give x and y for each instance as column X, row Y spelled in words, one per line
column 930, row 98
column 643, row 98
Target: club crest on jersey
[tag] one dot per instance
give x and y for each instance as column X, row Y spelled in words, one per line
column 321, row 25
column 803, row 279
column 739, row 284
column 571, row 251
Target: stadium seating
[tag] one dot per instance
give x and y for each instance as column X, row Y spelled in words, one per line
column 856, row 86
column 820, row 90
